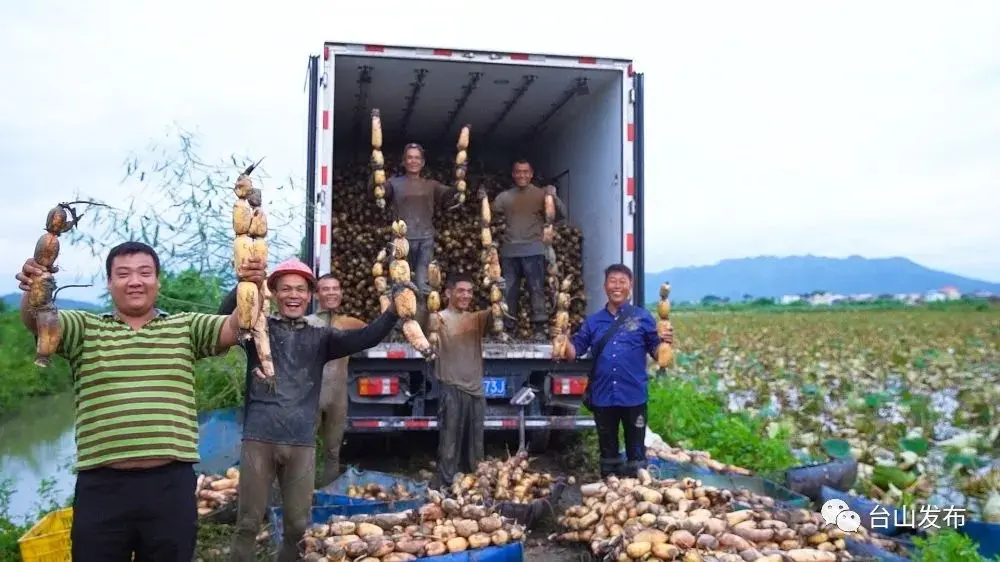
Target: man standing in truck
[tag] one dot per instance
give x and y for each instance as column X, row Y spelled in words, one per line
column 333, row 400
column 620, row 335
column 459, row 370
column 279, row 419
column 413, row 199
column 522, row 252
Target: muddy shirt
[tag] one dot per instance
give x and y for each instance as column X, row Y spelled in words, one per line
column 335, row 370
column 284, row 411
column 524, row 211
column 414, row 201
column 460, row 357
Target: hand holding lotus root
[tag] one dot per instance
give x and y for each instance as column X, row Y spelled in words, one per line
column 250, row 257
column 664, row 351
column 461, row 164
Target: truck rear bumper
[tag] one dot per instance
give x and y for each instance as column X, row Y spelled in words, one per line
column 492, row 423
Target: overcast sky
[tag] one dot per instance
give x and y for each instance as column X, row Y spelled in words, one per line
column 831, row 128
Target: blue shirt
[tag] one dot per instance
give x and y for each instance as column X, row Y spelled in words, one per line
column 620, row 377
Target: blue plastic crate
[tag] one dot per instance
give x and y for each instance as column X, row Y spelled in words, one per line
column 220, row 439
column 868, row 550
column 986, row 534
column 335, row 493
column 513, row 552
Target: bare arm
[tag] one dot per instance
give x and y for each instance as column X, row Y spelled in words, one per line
column 342, row 343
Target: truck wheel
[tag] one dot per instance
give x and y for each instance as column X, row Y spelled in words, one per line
column 538, row 441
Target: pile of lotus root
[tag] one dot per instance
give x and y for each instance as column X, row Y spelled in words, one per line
column 646, row 519
column 215, row 491
column 432, row 530
column 508, row 480
column 376, row 492
column 697, row 458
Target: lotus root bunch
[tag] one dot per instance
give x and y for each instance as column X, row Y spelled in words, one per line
column 252, row 299
column 378, row 160
column 492, row 275
column 42, row 289
column 435, row 278
column 405, row 292
column 664, row 351
column 462, row 163
column 215, row 491
column 560, row 320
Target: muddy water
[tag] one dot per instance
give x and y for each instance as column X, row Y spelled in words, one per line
column 37, row 450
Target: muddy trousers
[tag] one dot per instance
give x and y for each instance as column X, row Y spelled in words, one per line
column 150, row 512
column 632, row 419
column 295, row 469
column 420, row 256
column 332, row 424
column 532, row 269
column 460, row 433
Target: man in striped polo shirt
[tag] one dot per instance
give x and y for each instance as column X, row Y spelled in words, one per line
column 136, row 417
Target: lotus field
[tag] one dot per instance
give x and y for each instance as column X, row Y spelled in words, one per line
column 911, row 394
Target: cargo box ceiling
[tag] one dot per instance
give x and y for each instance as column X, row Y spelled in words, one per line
column 427, row 101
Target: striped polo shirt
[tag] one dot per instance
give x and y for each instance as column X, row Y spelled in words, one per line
column 135, row 389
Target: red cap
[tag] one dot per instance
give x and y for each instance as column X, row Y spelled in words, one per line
column 292, row 265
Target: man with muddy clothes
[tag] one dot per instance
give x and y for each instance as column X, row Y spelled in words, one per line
column 459, row 371
column 522, row 252
column 279, row 418
column 413, row 199
column 333, row 398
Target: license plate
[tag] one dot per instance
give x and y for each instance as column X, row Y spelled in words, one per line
column 494, row 387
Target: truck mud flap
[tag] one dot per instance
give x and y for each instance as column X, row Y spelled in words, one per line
column 492, row 423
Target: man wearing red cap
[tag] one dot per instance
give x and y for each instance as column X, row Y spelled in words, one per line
column 279, row 421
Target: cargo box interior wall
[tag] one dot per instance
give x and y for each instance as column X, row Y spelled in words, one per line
column 566, row 121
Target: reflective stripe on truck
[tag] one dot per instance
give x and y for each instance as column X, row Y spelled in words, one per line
column 491, row 423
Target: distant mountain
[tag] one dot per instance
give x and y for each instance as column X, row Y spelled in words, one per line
column 12, row 301
column 769, row 276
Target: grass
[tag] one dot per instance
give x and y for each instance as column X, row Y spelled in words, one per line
column 19, row 377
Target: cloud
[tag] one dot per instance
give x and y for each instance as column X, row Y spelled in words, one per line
column 775, row 128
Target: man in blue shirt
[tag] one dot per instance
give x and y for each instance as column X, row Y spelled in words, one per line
column 620, row 336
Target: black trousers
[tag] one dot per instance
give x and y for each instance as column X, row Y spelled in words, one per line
column 150, row 512
column 632, row 419
column 460, row 433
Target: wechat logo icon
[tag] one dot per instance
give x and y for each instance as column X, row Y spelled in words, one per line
column 836, row 512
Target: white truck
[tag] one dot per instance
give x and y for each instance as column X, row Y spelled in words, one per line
column 578, row 119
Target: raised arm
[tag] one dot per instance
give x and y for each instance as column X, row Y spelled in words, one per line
column 500, row 202
column 342, row 343
column 390, row 188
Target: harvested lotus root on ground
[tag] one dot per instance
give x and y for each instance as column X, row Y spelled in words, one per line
column 432, row 530
column 377, row 492
column 639, row 518
column 502, row 480
column 215, row 491
column 697, row 458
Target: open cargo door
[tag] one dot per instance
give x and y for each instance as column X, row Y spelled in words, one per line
column 638, row 218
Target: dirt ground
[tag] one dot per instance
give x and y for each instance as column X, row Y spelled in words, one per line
column 413, row 456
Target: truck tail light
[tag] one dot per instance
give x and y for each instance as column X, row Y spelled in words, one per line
column 569, row 386
column 378, row 386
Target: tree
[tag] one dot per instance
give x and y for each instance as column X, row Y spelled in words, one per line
column 189, row 291
column 182, row 208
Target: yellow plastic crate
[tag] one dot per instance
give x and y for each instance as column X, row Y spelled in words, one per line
column 48, row 540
